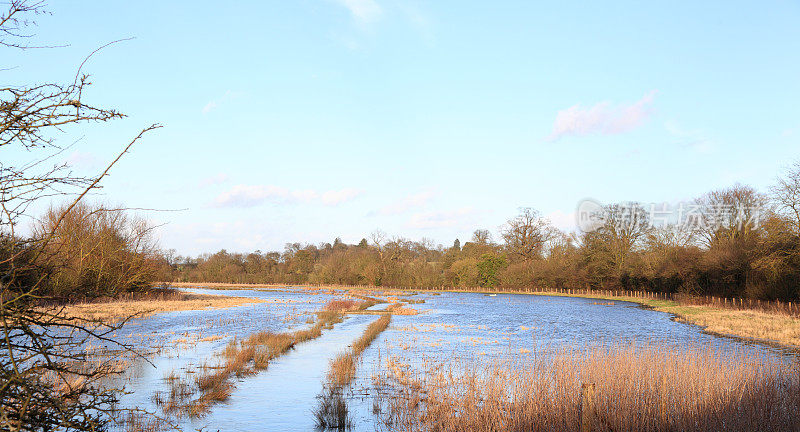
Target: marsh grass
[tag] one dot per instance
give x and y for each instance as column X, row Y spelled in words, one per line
column 636, row 388
column 400, row 309
column 332, row 411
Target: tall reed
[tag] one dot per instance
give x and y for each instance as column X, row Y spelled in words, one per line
column 635, row 388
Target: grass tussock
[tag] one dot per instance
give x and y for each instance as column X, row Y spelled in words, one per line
column 332, row 412
column 342, row 305
column 399, row 309
column 622, row 388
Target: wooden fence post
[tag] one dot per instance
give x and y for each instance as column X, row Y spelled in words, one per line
column 587, row 407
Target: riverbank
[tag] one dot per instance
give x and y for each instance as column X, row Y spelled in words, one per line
column 119, row 309
column 755, row 325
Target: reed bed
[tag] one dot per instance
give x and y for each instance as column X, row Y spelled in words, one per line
column 619, row 388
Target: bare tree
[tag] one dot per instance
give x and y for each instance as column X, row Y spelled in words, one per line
column 482, row 237
column 786, row 194
column 527, row 234
column 48, row 381
column 728, row 214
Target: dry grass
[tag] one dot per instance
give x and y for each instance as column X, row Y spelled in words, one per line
column 370, row 333
column 780, row 328
column 342, row 370
column 399, row 309
column 115, row 310
column 651, row 388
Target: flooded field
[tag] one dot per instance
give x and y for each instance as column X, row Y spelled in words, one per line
column 450, row 327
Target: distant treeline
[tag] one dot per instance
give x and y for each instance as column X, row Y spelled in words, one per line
column 734, row 242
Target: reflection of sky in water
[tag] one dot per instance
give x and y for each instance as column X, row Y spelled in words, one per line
column 451, row 326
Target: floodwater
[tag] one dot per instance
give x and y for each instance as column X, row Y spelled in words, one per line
column 449, row 326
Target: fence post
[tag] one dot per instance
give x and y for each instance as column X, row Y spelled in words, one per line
column 587, row 407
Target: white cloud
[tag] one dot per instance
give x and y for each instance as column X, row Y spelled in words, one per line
column 443, row 219
column 602, row 118
column 253, row 195
column 365, row 11
column 409, row 202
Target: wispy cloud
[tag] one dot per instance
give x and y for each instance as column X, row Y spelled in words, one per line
column 603, row 118
column 364, row 11
column 442, row 219
column 407, row 203
column 214, row 104
column 253, row 195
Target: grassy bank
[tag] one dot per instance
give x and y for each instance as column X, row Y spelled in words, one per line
column 759, row 326
column 111, row 310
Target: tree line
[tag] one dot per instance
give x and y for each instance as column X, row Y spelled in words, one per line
column 732, row 242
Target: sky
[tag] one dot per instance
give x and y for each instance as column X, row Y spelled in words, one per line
column 302, row 121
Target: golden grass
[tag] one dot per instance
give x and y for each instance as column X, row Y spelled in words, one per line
column 757, row 325
column 115, row 310
column 621, row 388
column 342, row 370
column 399, row 309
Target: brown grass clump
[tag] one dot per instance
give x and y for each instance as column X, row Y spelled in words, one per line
column 342, row 370
column 370, row 333
column 622, row 388
column 398, row 309
column 342, row 305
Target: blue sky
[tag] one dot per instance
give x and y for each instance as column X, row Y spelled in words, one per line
column 306, row 120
